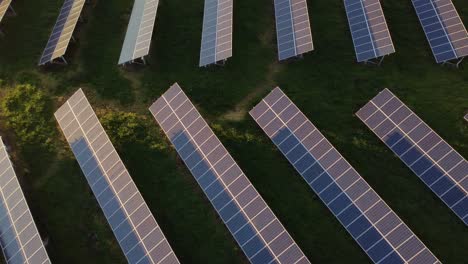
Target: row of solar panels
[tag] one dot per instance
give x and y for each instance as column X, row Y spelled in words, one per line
column 442, row 25
column 378, row 230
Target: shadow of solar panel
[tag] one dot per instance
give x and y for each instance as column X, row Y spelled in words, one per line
column 4, row 5
column 370, row 221
column 63, row 31
column 434, row 161
column 254, row 226
column 444, row 29
column 19, row 238
column 371, row 37
column 130, row 219
column 293, row 32
column 140, row 30
column 216, row 44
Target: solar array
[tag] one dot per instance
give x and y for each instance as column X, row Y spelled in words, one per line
column 140, row 29
column 369, row 30
column 4, row 5
column 63, row 31
column 19, row 238
column 249, row 219
column 370, row 221
column 135, row 228
column 435, row 162
column 293, row 32
column 444, row 29
column 216, row 42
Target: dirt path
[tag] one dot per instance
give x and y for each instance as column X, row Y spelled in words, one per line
column 240, row 110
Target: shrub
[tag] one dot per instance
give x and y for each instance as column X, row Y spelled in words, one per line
column 25, row 110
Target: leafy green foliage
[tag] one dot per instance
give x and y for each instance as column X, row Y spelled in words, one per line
column 27, row 113
column 129, row 128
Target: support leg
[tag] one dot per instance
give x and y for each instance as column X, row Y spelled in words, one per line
column 459, row 62
column 12, row 11
column 381, row 60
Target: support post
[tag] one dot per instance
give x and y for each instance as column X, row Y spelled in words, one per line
column 64, row 60
column 12, row 11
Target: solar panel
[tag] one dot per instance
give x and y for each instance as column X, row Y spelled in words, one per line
column 135, row 228
column 371, row 37
column 63, row 31
column 4, row 5
column 444, row 29
column 370, row 221
column 19, row 238
column 293, row 32
column 435, row 162
column 249, row 219
column 140, row 29
column 216, row 42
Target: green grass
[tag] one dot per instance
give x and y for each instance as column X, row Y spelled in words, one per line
column 327, row 85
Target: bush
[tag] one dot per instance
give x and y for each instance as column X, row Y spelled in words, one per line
column 126, row 128
column 24, row 109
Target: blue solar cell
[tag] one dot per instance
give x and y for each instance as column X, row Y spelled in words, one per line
column 453, row 196
column 244, row 234
column 339, row 204
column 422, row 165
column 319, row 183
column 411, row 156
column 380, row 250
column 369, row 238
column 349, row 215
column 359, row 226
column 236, row 222
column 264, row 256
column 253, row 246
column 442, row 185
column 330, row 193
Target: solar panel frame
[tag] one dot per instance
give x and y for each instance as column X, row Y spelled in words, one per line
column 444, row 30
column 378, row 230
column 216, row 43
column 62, row 32
column 439, row 165
column 253, row 224
column 365, row 16
column 19, row 238
column 134, row 226
column 4, row 6
column 293, row 33
column 140, row 30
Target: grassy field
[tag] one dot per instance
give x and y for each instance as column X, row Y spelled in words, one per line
column 327, row 85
